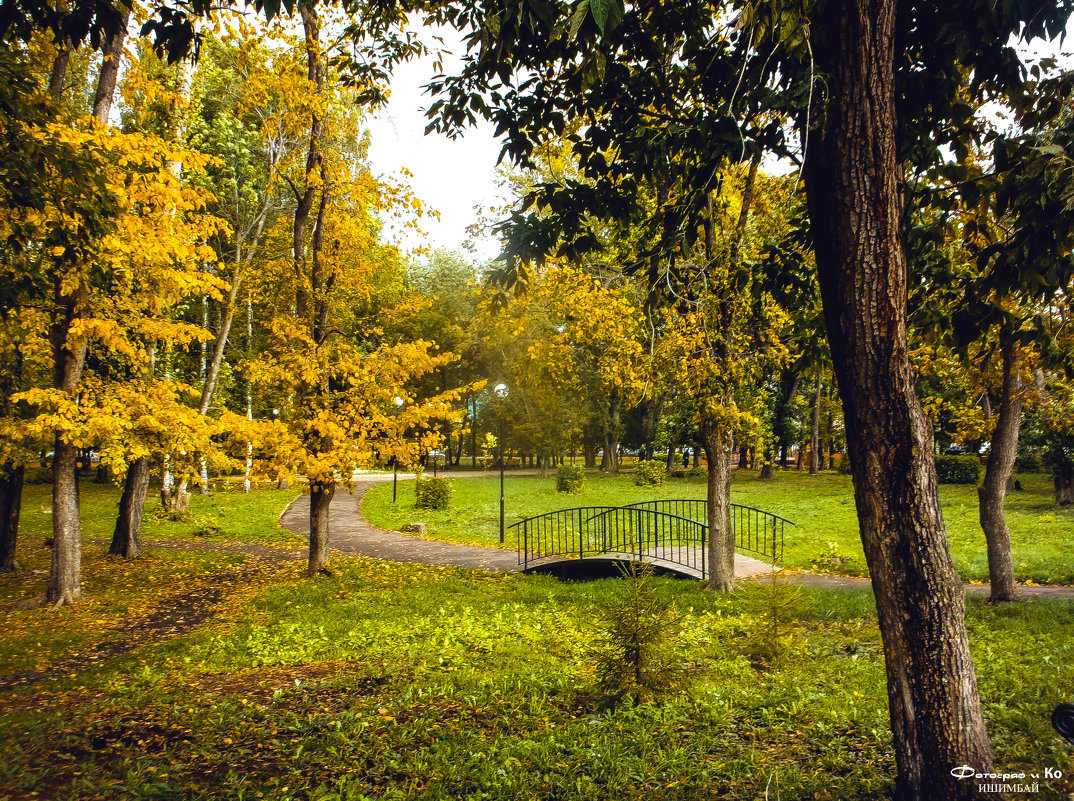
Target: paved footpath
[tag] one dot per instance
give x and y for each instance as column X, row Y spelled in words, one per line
column 353, row 535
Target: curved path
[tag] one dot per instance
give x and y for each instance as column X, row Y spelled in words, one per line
column 350, row 533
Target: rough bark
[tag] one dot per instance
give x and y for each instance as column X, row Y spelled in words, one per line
column 788, row 386
column 112, row 55
column 11, row 480
column 814, row 440
column 856, row 211
column 68, row 360
column 993, row 490
column 320, row 499
column 127, row 536
column 718, row 445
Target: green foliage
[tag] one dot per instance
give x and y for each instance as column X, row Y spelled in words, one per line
column 636, row 656
column 432, row 493
column 963, row 469
column 649, row 474
column 570, row 478
column 1028, row 463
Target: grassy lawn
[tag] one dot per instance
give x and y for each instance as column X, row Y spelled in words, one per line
column 229, row 516
column 825, row 534
column 393, row 681
column 403, row 681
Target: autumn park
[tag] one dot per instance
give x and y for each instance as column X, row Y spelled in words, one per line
column 741, row 466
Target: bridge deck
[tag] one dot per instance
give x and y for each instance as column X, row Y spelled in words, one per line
column 745, row 566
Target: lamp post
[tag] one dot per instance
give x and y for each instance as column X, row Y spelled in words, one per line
column 501, row 392
column 395, row 461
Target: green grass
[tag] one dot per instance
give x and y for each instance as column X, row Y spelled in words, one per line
column 115, row 588
column 825, row 534
column 396, row 681
column 220, row 517
column 406, row 681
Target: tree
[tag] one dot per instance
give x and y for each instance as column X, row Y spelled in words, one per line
column 892, row 88
column 97, row 230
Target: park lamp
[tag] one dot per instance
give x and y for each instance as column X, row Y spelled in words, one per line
column 501, row 393
column 395, row 460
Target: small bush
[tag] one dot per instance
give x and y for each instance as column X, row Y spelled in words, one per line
column 433, row 493
column 637, row 654
column 844, row 465
column 570, row 478
column 1028, row 463
column 205, row 527
column 964, row 469
column 697, row 472
column 649, row 474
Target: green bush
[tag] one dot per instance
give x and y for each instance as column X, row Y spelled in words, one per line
column 697, row 472
column 433, row 493
column 649, row 474
column 637, row 648
column 964, row 469
column 844, row 465
column 1028, row 463
column 570, row 478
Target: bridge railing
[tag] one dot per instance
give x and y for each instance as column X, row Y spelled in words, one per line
column 670, row 530
column 756, row 531
column 647, row 534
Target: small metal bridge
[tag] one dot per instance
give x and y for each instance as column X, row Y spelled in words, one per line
column 671, row 535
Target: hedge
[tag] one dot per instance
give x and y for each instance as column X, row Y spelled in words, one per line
column 964, row 469
column 649, row 474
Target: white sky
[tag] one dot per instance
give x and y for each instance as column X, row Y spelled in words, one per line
column 451, row 176
column 456, row 176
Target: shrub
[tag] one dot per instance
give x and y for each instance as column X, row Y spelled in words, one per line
column 1028, row 463
column 570, row 478
column 649, row 474
column 697, row 472
column 433, row 493
column 637, row 654
column 844, row 464
column 964, row 469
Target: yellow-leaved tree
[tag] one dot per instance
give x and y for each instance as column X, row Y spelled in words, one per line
column 341, row 395
column 98, row 232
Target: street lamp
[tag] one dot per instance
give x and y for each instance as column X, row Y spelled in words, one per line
column 395, row 461
column 501, row 392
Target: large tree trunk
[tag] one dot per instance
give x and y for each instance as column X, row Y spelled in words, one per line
column 781, row 427
column 814, row 439
column 127, row 536
column 65, row 573
column 320, row 500
column 68, row 360
column 993, row 489
column 718, row 445
column 11, row 479
column 853, row 190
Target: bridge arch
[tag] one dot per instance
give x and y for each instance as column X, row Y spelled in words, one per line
column 670, row 534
